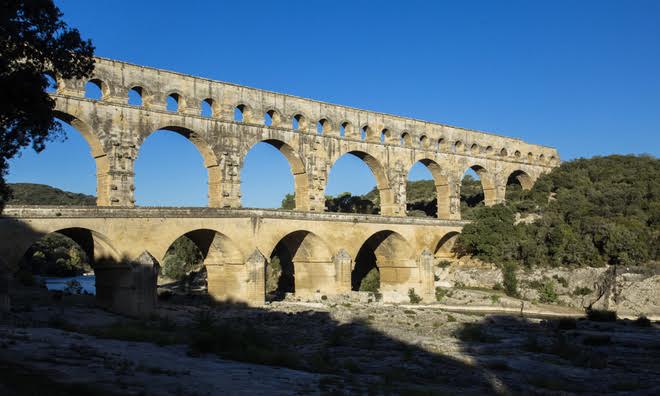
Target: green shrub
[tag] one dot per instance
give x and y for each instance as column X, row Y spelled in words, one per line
column 582, row 291
column 371, row 281
column 561, row 280
column 414, row 298
column 181, row 258
column 547, row 292
column 440, row 293
column 510, row 281
column 601, row 315
column 495, row 299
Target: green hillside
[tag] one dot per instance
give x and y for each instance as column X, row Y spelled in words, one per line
column 594, row 212
column 42, row 194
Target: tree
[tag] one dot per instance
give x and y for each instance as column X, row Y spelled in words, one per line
column 181, row 258
column 34, row 41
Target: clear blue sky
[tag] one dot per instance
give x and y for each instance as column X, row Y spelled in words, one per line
column 583, row 76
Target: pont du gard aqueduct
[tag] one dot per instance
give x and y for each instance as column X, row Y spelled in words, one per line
column 127, row 242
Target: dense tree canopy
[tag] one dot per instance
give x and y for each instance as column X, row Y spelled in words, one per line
column 598, row 211
column 34, row 41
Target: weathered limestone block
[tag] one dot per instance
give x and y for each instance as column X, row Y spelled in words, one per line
column 128, row 288
column 238, row 282
column 343, row 265
column 314, row 277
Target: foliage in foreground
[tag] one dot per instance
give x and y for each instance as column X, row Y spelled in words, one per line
column 591, row 212
column 34, row 41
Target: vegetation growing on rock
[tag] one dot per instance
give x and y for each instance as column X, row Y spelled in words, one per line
column 591, row 212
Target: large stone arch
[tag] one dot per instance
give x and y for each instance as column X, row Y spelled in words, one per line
column 211, row 162
column 98, row 247
column 224, row 263
column 392, row 255
column 487, row 183
column 297, row 166
column 445, row 245
column 98, row 151
column 525, row 179
column 380, row 175
column 442, row 189
column 308, row 261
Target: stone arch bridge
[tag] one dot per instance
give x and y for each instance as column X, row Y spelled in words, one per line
column 237, row 242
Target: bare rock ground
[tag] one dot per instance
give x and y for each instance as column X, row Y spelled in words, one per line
column 334, row 346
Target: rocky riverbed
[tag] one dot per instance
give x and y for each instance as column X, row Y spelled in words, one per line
column 341, row 345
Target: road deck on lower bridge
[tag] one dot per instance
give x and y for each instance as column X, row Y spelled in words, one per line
column 125, row 246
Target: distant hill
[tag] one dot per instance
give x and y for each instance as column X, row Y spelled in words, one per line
column 42, row 194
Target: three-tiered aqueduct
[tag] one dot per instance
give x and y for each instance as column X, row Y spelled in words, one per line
column 312, row 135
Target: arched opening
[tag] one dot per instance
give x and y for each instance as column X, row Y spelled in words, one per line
column 273, row 176
column 169, row 170
column 517, row 182
column 441, row 145
column 474, row 149
column 240, row 113
column 272, row 118
column 345, row 129
column 298, row 122
column 542, row 157
column 444, row 249
column 298, row 263
column 503, row 153
column 405, row 140
column 65, row 164
column 207, row 108
column 202, row 261
column 517, row 154
column 349, row 185
column 385, row 136
column 135, row 96
column 322, row 126
column 530, row 157
column 379, row 262
column 51, row 83
column 94, row 89
column 427, row 191
column 173, row 100
column 424, row 142
column 365, row 132
column 477, row 189
column 65, row 260
column 489, row 150
column 457, row 147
